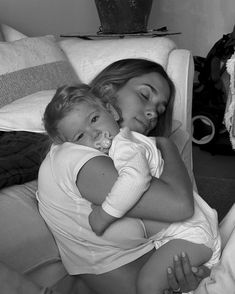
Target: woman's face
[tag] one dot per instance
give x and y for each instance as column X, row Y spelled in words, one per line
column 142, row 100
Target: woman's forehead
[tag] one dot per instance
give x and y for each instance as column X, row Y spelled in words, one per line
column 154, row 80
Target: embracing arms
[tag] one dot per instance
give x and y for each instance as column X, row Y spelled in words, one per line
column 168, row 199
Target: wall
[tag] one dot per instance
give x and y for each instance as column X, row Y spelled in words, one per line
column 40, row 17
column 201, row 22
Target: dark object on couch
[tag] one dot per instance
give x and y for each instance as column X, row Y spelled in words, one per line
column 21, row 154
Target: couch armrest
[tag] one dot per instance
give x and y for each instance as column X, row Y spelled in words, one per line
column 181, row 70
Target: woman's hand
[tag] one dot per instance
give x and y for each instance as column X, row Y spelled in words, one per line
column 183, row 277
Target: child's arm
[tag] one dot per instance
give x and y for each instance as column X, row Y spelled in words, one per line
column 134, row 179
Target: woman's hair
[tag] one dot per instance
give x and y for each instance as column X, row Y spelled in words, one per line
column 117, row 74
column 63, row 102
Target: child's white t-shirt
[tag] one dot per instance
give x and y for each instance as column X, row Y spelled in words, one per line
column 66, row 213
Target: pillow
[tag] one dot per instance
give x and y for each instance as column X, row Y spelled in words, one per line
column 89, row 57
column 21, row 154
column 10, row 34
column 25, row 114
column 30, row 65
column 22, row 147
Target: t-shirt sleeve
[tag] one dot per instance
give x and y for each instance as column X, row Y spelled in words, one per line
column 67, row 160
column 133, row 176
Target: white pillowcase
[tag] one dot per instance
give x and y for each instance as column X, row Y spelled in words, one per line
column 88, row 58
column 10, row 34
column 26, row 114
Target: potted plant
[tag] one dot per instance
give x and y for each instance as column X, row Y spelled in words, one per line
column 123, row 16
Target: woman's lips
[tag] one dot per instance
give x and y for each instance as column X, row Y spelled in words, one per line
column 144, row 125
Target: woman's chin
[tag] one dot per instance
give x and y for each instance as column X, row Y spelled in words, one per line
column 137, row 127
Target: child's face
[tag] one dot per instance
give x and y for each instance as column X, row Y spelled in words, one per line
column 142, row 100
column 86, row 125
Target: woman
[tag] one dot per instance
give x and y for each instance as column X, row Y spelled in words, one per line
column 143, row 93
column 137, row 92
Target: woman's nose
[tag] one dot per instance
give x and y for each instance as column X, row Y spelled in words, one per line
column 150, row 114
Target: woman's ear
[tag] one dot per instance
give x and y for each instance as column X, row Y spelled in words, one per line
column 113, row 111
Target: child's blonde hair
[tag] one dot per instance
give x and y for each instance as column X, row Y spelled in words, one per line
column 63, row 102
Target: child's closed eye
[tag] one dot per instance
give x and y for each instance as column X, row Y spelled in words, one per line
column 79, row 137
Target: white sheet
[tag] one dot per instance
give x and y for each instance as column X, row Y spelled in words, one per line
column 222, row 278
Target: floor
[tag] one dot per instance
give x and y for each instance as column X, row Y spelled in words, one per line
column 213, row 165
column 215, row 178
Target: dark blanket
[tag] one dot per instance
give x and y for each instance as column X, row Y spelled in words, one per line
column 21, row 154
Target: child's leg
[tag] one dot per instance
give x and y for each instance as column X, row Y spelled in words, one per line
column 152, row 277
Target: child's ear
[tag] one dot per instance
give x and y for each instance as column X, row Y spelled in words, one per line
column 113, row 111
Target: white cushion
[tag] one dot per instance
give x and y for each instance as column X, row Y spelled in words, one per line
column 25, row 114
column 10, row 34
column 88, row 57
column 30, row 65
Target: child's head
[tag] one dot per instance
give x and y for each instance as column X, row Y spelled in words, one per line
column 76, row 115
column 142, row 91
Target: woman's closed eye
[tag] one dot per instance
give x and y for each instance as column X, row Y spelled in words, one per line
column 145, row 93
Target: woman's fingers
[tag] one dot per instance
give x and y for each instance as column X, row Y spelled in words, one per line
column 191, row 279
column 173, row 283
column 179, row 273
column 201, row 272
column 183, row 276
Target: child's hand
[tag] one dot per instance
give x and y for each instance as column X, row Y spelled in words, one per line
column 100, row 220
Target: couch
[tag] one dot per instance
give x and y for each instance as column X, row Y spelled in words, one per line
column 30, row 71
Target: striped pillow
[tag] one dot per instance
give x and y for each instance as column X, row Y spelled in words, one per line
column 30, row 65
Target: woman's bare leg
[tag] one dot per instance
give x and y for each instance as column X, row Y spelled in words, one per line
column 152, row 278
column 119, row 281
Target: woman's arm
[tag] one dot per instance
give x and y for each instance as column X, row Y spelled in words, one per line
column 168, row 198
